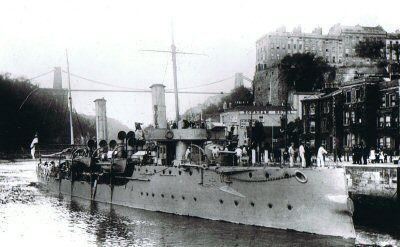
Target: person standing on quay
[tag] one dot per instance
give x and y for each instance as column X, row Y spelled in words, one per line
column 302, row 151
column 320, row 156
column 35, row 142
column 291, row 154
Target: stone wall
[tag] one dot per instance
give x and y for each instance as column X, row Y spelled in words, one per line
column 264, row 81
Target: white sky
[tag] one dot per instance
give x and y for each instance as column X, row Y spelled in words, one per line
column 103, row 39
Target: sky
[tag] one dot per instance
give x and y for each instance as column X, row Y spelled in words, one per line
column 104, row 39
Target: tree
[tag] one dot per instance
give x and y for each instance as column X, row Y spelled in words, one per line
column 240, row 94
column 369, row 48
column 305, row 72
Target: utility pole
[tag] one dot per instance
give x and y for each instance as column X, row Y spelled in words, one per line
column 70, row 101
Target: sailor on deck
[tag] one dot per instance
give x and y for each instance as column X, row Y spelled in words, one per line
column 35, row 141
column 187, row 153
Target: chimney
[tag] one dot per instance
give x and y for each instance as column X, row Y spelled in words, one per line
column 158, row 102
column 57, row 80
column 101, row 120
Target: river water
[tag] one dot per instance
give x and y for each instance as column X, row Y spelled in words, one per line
column 31, row 217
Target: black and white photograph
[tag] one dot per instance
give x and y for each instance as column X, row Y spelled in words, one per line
column 199, row 123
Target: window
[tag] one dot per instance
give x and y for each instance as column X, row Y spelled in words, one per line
column 348, row 96
column 387, row 100
column 288, row 46
column 312, row 109
column 312, row 127
column 326, row 107
column 392, row 100
column 294, row 46
column 387, row 142
column 358, row 95
column 300, row 46
column 353, row 117
column 387, row 121
column 346, row 118
column 381, row 122
column 381, row 142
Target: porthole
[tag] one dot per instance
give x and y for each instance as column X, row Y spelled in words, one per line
column 190, row 173
column 194, row 198
column 252, row 204
column 286, row 175
column 236, row 202
column 141, row 193
column 250, row 175
column 147, row 171
column 152, row 194
column 162, row 195
column 269, row 205
column 266, row 175
column 289, row 207
column 172, row 196
column 221, row 201
column 180, row 173
column 147, row 193
column 183, row 198
column 169, row 172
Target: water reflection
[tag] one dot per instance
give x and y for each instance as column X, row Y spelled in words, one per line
column 62, row 221
column 115, row 225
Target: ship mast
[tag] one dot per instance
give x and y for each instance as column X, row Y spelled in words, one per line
column 174, row 69
column 70, row 101
column 173, row 53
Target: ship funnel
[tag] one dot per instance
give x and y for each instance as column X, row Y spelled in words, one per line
column 158, row 102
column 101, row 120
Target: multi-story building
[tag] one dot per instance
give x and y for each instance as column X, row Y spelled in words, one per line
column 363, row 111
column 336, row 47
column 387, row 117
column 393, row 47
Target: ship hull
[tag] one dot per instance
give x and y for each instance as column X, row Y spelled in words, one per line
column 261, row 196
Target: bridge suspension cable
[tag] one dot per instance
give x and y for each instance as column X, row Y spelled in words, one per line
column 35, row 77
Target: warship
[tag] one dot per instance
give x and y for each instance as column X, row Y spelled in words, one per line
column 153, row 171
column 177, row 170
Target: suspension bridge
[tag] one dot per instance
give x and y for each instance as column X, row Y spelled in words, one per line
column 115, row 88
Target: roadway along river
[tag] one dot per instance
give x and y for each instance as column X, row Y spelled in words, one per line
column 29, row 216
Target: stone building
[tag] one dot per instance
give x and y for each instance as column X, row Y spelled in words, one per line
column 337, row 47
